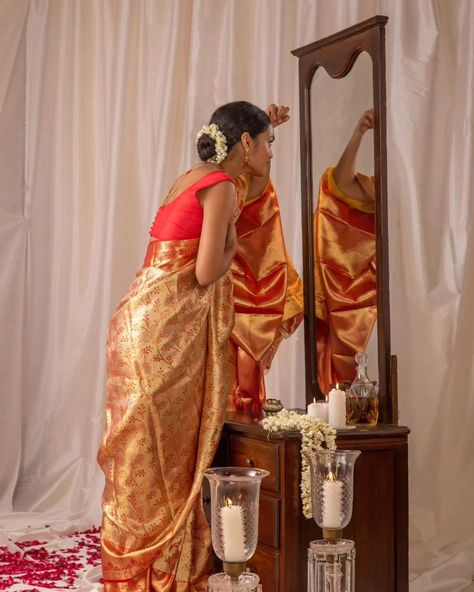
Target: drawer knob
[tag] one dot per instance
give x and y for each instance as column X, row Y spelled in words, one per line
column 250, row 462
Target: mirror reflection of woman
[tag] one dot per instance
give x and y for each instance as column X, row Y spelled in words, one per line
column 344, row 249
column 167, row 367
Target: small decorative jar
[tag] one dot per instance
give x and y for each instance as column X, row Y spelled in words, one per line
column 272, row 406
column 363, row 395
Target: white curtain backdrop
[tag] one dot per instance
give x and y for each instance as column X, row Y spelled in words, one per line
column 99, row 104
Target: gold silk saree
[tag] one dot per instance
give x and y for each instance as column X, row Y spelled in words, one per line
column 345, row 278
column 167, row 388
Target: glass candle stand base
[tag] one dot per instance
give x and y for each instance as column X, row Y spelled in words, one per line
column 246, row 582
column 331, row 566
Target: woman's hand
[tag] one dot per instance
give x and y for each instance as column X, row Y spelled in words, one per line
column 278, row 114
column 365, row 123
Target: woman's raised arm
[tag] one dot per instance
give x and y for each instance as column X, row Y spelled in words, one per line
column 345, row 171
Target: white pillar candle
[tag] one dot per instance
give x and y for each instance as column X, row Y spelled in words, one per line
column 337, row 408
column 332, row 496
column 233, row 533
column 319, row 410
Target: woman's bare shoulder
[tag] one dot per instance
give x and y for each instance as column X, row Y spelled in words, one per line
column 187, row 179
column 201, row 170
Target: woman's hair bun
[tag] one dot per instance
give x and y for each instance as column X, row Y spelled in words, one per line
column 206, row 147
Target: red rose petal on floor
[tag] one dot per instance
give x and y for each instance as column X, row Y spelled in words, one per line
column 53, row 565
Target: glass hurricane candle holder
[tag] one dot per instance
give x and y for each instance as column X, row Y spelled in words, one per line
column 332, row 486
column 235, row 495
column 331, row 562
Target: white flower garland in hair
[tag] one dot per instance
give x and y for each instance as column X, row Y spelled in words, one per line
column 314, row 433
column 220, row 141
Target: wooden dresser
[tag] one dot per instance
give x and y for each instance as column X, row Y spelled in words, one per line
column 379, row 524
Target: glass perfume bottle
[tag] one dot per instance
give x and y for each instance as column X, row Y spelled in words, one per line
column 364, row 391
column 352, row 406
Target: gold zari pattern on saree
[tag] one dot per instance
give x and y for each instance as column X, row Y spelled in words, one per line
column 167, row 391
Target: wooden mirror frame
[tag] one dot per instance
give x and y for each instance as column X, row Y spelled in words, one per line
column 337, row 54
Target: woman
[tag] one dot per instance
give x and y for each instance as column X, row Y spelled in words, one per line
column 167, row 378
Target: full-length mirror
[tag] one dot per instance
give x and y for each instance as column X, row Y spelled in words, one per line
column 344, row 210
column 342, row 119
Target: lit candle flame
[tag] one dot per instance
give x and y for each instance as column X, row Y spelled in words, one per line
column 337, row 386
column 228, row 502
column 326, row 398
column 331, row 477
column 314, row 399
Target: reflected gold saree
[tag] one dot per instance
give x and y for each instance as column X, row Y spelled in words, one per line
column 345, row 278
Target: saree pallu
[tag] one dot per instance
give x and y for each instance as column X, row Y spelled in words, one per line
column 345, row 278
column 268, row 295
column 167, row 391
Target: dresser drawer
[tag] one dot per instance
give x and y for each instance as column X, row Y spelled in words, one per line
column 249, row 452
column 269, row 521
column 266, row 564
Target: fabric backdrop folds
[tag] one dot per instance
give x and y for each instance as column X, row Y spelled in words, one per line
column 99, row 105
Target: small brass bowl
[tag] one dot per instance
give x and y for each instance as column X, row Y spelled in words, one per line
column 272, row 406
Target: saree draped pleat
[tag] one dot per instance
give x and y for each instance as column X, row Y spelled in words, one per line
column 268, row 295
column 167, row 391
column 345, row 278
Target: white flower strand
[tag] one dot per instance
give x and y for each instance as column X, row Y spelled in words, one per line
column 315, row 435
column 220, row 142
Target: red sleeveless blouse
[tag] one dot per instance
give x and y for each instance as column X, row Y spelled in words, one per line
column 182, row 218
